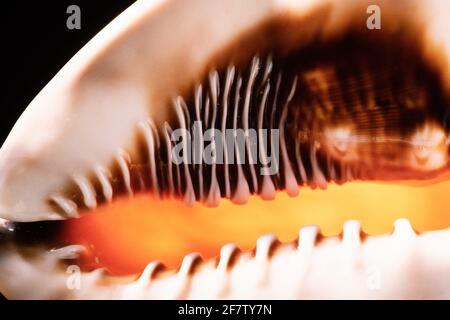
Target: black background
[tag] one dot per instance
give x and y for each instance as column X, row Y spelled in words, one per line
column 169, row 309
column 36, row 44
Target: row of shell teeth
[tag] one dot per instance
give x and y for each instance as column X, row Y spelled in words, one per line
column 308, row 236
column 218, row 277
column 214, row 112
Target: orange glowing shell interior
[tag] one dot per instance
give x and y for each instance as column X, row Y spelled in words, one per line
column 125, row 235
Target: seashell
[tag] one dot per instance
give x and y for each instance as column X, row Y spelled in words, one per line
column 375, row 109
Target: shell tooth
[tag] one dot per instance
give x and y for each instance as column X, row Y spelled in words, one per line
column 264, row 245
column 307, row 238
column 69, row 207
column 268, row 191
column 123, row 159
column 103, row 177
column 403, row 229
column 182, row 281
column 87, row 191
column 188, row 264
column 318, row 177
column 148, row 273
column 351, row 242
column 242, row 192
column 351, row 233
column 228, row 82
column 68, row 252
column 150, row 143
column 96, row 275
column 245, row 119
column 291, row 183
column 222, row 274
column 180, row 107
column 226, row 254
